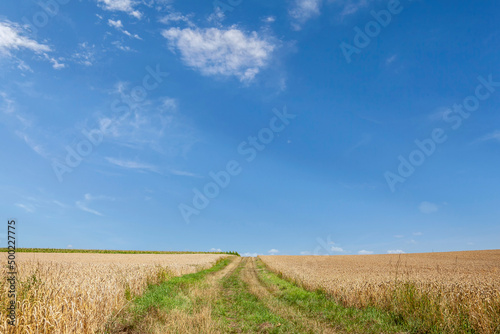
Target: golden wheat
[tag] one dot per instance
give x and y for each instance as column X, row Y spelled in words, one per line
column 448, row 291
column 81, row 293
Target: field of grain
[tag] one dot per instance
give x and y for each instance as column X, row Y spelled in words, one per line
column 80, row 293
column 446, row 292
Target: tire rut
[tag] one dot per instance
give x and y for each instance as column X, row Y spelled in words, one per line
column 302, row 321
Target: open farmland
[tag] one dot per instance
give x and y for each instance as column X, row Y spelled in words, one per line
column 448, row 292
column 79, row 293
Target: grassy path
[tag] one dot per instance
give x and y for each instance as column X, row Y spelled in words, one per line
column 239, row 295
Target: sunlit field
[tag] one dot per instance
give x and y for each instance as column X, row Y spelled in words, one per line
column 448, row 291
column 82, row 292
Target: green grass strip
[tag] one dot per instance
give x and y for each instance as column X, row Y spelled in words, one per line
column 318, row 305
column 171, row 294
column 240, row 311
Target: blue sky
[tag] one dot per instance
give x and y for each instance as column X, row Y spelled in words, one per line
column 285, row 127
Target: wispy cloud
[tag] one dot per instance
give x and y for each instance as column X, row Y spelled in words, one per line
column 128, row 164
column 87, row 199
column 336, row 249
column 83, row 206
column 215, row 250
column 169, row 104
column 304, row 10
column 428, row 207
column 353, row 6
column 36, row 147
column 118, row 25
column 184, row 173
column 176, row 17
column 27, row 207
column 249, row 254
column 11, row 38
column 365, row 252
column 6, row 104
column 273, row 251
column 226, row 52
column 120, row 46
column 126, row 6
column 494, row 136
column 391, row 59
column 395, row 251
column 85, row 55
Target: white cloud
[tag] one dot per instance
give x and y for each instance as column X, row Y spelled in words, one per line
column 417, row 234
column 131, row 164
column 395, row 251
column 126, row 6
column 23, row 66
column 250, row 254
column 306, row 253
column 116, row 24
column 176, row 17
column 55, row 64
column 169, row 104
column 217, row 17
column 273, row 251
column 269, row 19
column 11, row 38
column 131, row 35
column 428, row 207
column 215, row 250
column 336, row 249
column 365, row 252
column 69, row 246
column 399, row 236
column 303, row 11
column 216, row 51
column 119, row 26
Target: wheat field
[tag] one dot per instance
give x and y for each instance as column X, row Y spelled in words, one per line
column 82, row 293
column 444, row 291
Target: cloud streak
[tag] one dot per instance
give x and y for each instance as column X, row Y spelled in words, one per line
column 128, row 164
column 11, row 38
column 126, row 6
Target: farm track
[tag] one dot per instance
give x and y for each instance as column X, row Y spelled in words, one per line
column 301, row 321
column 230, row 300
column 239, row 297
